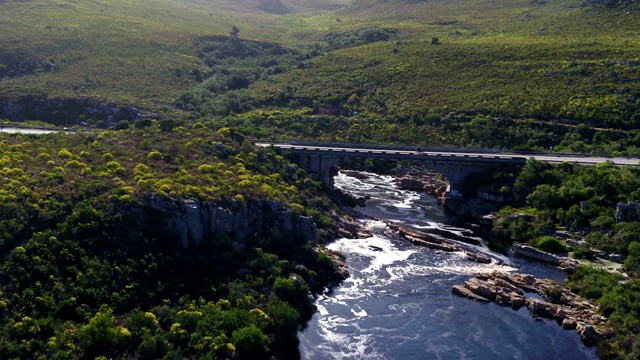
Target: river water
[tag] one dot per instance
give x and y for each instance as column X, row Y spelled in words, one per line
column 398, row 304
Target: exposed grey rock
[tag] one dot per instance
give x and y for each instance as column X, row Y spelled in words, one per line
column 588, row 333
column 627, row 211
column 569, row 323
column 307, row 228
column 401, row 170
column 533, row 253
column 463, row 291
column 570, row 311
column 193, row 221
column 410, row 183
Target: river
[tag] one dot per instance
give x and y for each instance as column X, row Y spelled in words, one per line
column 398, row 304
column 30, row 130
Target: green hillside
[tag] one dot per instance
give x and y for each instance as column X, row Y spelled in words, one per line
column 517, row 59
column 128, row 52
column 538, row 59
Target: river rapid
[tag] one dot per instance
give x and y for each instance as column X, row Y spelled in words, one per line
column 398, row 304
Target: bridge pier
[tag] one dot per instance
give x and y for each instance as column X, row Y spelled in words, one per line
column 455, row 172
column 320, row 164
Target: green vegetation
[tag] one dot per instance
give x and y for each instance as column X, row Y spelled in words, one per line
column 619, row 301
column 432, row 130
column 522, row 60
column 234, row 64
column 357, row 37
column 550, row 245
column 598, row 201
column 88, row 270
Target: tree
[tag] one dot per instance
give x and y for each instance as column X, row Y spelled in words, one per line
column 101, row 337
column 122, row 125
column 551, row 245
column 234, row 31
column 251, row 343
column 632, row 263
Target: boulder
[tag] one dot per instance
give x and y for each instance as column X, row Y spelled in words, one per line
column 464, row 292
column 569, row 323
column 479, row 258
column 588, row 333
column 533, row 253
column 409, row 183
column 401, row 170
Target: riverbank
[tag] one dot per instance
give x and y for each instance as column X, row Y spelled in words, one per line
column 397, row 301
column 543, row 297
column 553, row 301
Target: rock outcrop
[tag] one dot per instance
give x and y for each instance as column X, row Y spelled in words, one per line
column 627, row 211
column 533, row 253
column 558, row 303
column 427, row 240
column 474, row 210
column 563, row 262
column 338, row 260
column 417, row 178
column 192, row 221
column 348, row 227
column 67, row 111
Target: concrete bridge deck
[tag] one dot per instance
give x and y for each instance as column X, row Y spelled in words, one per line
column 457, row 155
column 454, row 164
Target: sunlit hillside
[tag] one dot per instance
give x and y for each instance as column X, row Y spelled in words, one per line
column 516, row 58
column 133, row 52
column 535, row 58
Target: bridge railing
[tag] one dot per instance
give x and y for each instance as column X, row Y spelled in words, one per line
column 382, row 147
column 441, row 149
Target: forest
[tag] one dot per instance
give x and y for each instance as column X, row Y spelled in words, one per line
column 88, row 270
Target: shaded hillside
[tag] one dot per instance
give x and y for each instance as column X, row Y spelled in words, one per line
column 100, row 253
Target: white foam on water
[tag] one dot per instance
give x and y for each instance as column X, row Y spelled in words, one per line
column 352, row 344
column 351, row 324
column 380, row 252
column 359, row 313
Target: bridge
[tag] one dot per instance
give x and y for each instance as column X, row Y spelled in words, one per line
column 453, row 163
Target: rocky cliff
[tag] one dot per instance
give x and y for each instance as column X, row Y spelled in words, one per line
column 68, row 111
column 192, row 221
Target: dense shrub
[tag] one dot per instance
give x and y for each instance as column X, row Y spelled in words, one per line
column 87, row 270
column 550, row 245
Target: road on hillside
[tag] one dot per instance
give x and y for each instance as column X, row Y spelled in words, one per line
column 548, row 158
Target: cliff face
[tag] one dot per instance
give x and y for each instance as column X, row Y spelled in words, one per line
column 192, row 221
column 68, row 111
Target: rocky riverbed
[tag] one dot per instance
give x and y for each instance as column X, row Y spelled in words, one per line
column 557, row 302
column 397, row 303
column 544, row 298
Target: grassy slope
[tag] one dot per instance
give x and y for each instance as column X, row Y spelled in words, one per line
column 493, row 58
column 125, row 51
